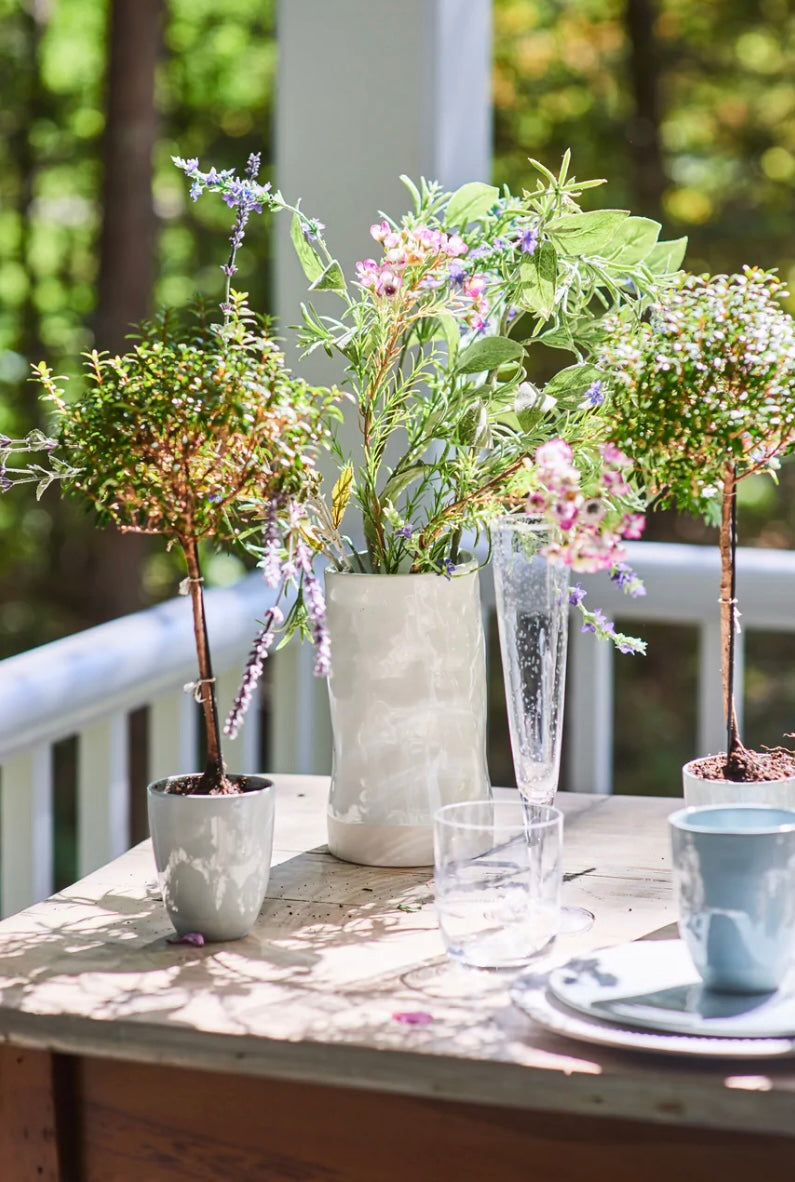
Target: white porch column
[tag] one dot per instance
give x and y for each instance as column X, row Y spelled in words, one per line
column 367, row 90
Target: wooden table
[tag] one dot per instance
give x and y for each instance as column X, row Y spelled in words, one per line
column 279, row 1057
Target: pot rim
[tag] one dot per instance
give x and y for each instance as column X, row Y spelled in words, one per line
column 686, row 819
column 687, row 770
column 156, row 787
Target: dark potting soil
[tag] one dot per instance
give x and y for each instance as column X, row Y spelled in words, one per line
column 747, row 767
column 186, row 786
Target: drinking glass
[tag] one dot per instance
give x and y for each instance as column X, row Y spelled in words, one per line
column 533, row 619
column 497, row 875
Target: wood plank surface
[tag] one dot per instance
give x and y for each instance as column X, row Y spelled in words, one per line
column 145, row 1124
column 312, row 993
column 28, row 1142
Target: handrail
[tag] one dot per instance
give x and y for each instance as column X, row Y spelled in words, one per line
column 53, row 691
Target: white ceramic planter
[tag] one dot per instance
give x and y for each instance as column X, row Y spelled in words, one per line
column 213, row 856
column 408, row 709
column 700, row 792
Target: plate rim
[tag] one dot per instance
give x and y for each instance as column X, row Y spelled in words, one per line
column 533, row 998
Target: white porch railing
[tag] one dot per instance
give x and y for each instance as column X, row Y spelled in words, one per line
column 86, row 686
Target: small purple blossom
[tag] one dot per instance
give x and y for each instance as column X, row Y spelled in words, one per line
column 456, row 274
column 480, row 252
column 5, row 483
column 627, row 580
column 576, row 595
column 594, row 395
column 447, row 568
column 405, row 531
column 528, row 240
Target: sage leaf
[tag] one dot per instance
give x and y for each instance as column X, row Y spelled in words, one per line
column 666, row 257
column 401, row 480
column 586, row 233
column 570, row 384
column 473, row 426
column 331, row 279
column 469, row 203
column 538, row 277
column 311, row 264
column 635, row 238
column 489, row 353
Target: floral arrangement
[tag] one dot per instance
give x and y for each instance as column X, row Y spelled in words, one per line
column 450, row 339
column 704, row 397
column 194, row 434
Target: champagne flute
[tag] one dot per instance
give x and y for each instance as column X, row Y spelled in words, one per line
column 532, row 597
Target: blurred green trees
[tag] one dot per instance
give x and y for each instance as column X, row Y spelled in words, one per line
column 686, row 107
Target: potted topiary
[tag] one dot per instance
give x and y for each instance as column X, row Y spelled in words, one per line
column 705, row 397
column 195, row 432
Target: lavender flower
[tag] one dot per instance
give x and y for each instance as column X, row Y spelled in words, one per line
column 405, row 531
column 271, row 562
column 627, row 580
column 576, row 595
column 315, row 603
column 447, row 568
column 594, row 394
column 253, row 672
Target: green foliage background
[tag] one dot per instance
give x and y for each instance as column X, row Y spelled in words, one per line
column 724, row 120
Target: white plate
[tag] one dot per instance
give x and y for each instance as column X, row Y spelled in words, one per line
column 531, row 994
column 653, row 984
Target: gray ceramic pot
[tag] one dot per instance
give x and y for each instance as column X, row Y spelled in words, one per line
column 213, row 856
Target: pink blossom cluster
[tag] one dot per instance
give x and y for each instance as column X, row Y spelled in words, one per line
column 592, row 528
column 428, row 252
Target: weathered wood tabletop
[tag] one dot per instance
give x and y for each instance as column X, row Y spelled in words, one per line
column 93, row 991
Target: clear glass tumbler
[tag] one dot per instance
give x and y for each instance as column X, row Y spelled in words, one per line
column 497, row 875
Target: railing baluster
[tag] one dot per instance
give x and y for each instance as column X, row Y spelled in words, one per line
column 589, row 708
column 300, row 724
column 26, row 850
column 103, row 826
column 173, row 735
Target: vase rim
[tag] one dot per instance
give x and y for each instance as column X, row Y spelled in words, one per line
column 469, row 566
column 522, row 522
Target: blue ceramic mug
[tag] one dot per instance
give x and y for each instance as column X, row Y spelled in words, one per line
column 734, row 878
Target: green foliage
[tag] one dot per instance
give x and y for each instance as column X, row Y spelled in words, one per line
column 707, row 384
column 438, row 354
column 189, row 430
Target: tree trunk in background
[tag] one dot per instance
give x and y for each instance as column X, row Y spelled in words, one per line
column 127, row 248
column 643, row 130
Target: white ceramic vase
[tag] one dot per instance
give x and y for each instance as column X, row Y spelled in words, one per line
column 213, row 856
column 698, row 791
column 408, row 710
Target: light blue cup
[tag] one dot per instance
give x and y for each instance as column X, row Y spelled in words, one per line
column 734, row 878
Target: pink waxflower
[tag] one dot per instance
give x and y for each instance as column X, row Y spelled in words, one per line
column 367, row 273
column 388, row 283
column 634, row 525
column 614, row 455
column 554, row 454
column 379, row 231
column 455, row 246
